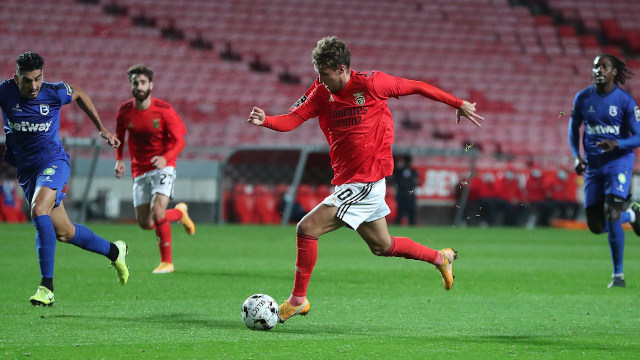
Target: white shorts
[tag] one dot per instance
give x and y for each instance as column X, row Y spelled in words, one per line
column 359, row 202
column 154, row 181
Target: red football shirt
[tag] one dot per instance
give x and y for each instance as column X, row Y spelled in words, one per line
column 156, row 131
column 357, row 122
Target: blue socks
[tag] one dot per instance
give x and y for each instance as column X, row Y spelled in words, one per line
column 87, row 240
column 616, row 243
column 45, row 244
column 625, row 217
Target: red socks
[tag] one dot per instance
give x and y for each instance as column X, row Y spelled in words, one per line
column 163, row 233
column 307, row 254
column 409, row 249
column 172, row 215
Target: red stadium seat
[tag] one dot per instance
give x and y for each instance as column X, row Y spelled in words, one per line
column 266, row 205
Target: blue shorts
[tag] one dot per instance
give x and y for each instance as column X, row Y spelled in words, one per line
column 53, row 175
column 613, row 178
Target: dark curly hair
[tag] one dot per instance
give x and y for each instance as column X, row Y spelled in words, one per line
column 623, row 73
column 29, row 61
column 140, row 69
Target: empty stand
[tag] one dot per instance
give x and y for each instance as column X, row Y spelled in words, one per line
column 522, row 70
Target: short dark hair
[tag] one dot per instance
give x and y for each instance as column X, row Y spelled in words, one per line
column 29, row 61
column 140, row 69
column 623, row 73
column 331, row 52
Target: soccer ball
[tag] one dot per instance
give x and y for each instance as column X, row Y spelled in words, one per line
column 260, row 312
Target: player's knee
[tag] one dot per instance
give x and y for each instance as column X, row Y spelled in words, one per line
column 66, row 234
column 596, row 218
column 39, row 209
column 596, row 226
column 145, row 225
column 158, row 213
column 378, row 249
column 305, row 226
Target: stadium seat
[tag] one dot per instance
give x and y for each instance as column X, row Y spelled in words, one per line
column 266, row 205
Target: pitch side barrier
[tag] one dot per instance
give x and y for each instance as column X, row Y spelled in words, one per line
column 253, row 155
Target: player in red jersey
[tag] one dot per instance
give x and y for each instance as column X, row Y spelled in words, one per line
column 354, row 116
column 156, row 137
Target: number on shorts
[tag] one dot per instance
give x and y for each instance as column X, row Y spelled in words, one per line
column 345, row 194
column 164, row 177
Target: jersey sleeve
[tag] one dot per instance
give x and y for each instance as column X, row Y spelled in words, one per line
column 305, row 96
column 64, row 91
column 121, row 130
column 575, row 121
column 392, row 86
column 177, row 131
column 306, row 110
column 632, row 118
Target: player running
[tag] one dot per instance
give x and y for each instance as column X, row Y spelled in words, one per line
column 354, row 117
column 611, row 131
column 31, row 112
column 156, row 137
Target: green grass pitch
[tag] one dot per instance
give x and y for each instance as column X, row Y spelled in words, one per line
column 518, row 294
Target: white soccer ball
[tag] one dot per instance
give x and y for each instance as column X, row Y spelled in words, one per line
column 260, row 312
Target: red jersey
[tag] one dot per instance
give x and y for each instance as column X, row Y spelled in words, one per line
column 156, row 131
column 357, row 122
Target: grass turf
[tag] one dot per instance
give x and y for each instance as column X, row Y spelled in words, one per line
column 518, row 294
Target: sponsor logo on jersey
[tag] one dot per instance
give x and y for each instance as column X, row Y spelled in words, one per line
column 622, row 178
column 44, row 109
column 603, row 129
column 613, row 110
column 359, row 98
column 636, row 111
column 331, row 98
column 16, row 108
column 591, row 109
column 49, row 171
column 29, row 127
column 302, row 99
column 155, row 123
column 347, row 117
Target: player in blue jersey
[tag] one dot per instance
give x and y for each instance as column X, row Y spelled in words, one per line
column 31, row 112
column 611, row 121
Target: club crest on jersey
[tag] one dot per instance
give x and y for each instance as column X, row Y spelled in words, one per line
column 44, row 109
column 49, row 171
column 155, row 123
column 613, row 110
column 359, row 98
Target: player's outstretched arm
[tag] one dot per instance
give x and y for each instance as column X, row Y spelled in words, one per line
column 285, row 122
column 468, row 110
column 84, row 102
column 256, row 117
